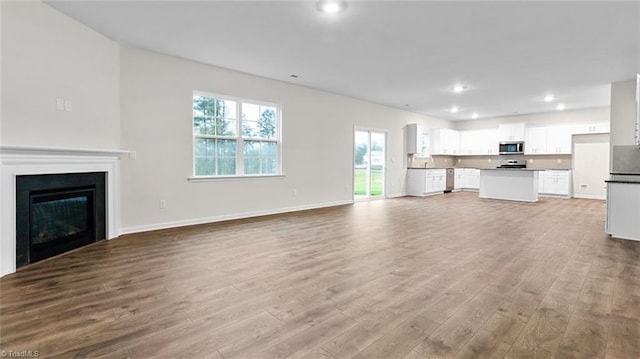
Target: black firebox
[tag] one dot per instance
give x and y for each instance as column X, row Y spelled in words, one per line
column 56, row 213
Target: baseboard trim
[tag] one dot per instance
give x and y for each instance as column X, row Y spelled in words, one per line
column 191, row 222
column 550, row 195
column 589, row 196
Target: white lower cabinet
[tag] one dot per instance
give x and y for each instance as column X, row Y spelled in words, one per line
column 466, row 178
column 421, row 182
column 623, row 210
column 471, row 178
column 555, row 182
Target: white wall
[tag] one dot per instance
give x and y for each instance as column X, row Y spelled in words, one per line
column 156, row 96
column 599, row 114
column 590, row 165
column 46, row 55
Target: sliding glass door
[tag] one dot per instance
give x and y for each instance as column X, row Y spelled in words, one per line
column 369, row 164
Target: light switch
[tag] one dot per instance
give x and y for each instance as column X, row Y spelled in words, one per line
column 60, row 104
column 67, row 105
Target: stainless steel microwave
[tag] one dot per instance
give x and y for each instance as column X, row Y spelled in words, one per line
column 512, row 148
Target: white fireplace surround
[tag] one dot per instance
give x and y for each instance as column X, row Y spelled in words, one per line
column 31, row 160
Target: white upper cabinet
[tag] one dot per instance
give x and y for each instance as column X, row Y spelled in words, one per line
column 468, row 142
column 597, row 127
column 415, row 140
column 538, row 140
column 511, row 132
column 444, row 141
column 535, row 142
column 559, row 139
column 479, row 142
column 489, row 142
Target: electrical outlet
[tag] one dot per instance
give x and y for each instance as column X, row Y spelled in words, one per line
column 530, row 160
column 60, row 104
column 489, row 160
column 162, row 204
column 559, row 161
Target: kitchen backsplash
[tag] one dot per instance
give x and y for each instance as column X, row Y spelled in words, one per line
column 559, row 162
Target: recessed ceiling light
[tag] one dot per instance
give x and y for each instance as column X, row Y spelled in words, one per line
column 459, row 88
column 331, row 6
column 560, row 107
column 454, row 109
column 474, row 116
column 549, row 98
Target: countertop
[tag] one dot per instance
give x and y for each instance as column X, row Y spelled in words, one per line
column 624, row 178
column 429, row 168
column 513, row 169
column 491, row 168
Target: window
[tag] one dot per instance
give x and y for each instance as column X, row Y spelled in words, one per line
column 235, row 137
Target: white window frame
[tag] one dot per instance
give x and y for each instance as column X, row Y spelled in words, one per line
column 239, row 139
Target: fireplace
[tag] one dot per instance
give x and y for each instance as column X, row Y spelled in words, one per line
column 56, row 213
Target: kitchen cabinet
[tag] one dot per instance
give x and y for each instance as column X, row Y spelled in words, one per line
column 444, row 141
column 597, row 127
column 559, row 139
column 488, row 142
column 511, row 132
column 623, row 210
column 421, row 182
column 479, row 142
column 466, row 178
column 436, row 180
column 468, row 140
column 415, row 140
column 471, row 178
column 548, row 140
column 535, row 142
column 556, row 182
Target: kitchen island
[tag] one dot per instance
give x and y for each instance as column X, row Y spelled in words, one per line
column 509, row 184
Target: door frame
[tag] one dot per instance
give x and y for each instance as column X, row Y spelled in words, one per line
column 353, row 157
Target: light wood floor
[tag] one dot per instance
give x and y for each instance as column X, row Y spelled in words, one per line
column 444, row 276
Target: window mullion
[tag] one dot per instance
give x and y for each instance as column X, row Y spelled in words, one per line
column 239, row 140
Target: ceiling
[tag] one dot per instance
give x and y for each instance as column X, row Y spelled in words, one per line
column 403, row 54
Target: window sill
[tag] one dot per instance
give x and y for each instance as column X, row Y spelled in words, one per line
column 231, row 178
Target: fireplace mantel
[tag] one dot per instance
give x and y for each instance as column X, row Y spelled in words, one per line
column 64, row 151
column 33, row 160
